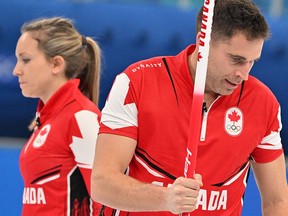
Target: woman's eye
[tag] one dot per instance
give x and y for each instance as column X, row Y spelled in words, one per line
column 25, row 60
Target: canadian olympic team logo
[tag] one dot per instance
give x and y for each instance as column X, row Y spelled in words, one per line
column 234, row 121
column 41, row 137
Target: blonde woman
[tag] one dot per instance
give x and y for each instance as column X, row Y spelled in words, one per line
column 58, row 65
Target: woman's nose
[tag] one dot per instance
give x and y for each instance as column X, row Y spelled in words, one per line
column 16, row 70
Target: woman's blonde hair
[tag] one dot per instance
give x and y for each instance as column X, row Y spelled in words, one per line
column 57, row 36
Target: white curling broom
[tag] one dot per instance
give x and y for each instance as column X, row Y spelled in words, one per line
column 199, row 87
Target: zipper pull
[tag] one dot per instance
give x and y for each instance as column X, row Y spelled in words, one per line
column 38, row 123
column 204, row 107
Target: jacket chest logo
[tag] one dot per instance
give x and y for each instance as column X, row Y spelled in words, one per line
column 42, row 136
column 233, row 121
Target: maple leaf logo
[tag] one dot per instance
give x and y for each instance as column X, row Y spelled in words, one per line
column 234, row 117
column 199, row 56
column 42, row 136
column 43, row 132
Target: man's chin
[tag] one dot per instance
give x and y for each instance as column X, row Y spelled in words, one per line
column 227, row 92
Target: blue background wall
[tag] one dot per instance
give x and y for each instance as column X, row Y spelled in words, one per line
column 126, row 33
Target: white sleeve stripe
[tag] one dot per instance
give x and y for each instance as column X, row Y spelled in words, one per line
column 271, row 147
column 271, row 142
column 114, row 121
column 115, row 114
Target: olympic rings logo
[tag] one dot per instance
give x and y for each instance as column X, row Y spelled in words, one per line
column 233, row 128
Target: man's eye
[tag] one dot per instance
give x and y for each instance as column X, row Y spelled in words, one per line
column 236, row 60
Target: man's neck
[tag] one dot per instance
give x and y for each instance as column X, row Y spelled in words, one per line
column 209, row 96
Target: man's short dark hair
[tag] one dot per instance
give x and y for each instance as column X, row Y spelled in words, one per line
column 234, row 16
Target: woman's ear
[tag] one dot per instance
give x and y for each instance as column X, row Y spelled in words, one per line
column 198, row 39
column 58, row 65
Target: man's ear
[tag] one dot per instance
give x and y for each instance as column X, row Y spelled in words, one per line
column 58, row 64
